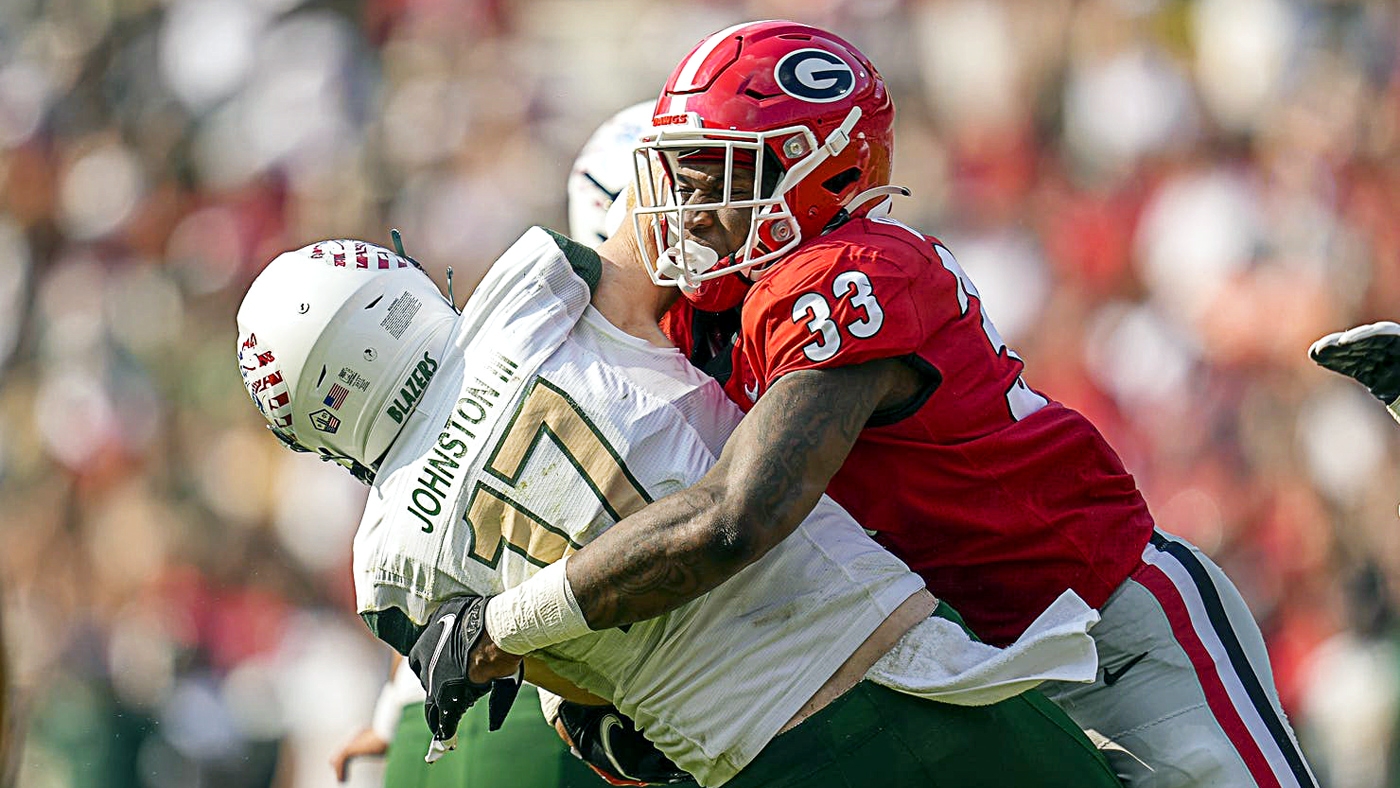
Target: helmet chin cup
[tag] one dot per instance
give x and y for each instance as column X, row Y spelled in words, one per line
column 668, row 271
column 685, row 262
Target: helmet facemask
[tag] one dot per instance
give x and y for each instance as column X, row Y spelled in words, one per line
column 778, row 161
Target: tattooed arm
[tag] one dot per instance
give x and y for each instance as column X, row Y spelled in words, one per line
column 773, row 469
column 768, row 478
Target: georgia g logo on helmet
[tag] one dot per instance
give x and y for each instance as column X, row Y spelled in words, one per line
column 814, row 75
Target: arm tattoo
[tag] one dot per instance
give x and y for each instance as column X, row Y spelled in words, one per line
column 769, row 476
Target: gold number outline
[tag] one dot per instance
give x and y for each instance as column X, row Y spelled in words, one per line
column 538, row 547
column 544, row 543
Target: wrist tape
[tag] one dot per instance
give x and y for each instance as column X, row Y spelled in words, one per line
column 536, row 614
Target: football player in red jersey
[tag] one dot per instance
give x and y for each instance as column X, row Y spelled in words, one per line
column 870, row 370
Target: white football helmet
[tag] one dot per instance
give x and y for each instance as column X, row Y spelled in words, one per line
column 602, row 171
column 336, row 343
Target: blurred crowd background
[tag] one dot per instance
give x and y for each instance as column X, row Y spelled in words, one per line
column 1163, row 202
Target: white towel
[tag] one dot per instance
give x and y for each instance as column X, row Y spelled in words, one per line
column 938, row 661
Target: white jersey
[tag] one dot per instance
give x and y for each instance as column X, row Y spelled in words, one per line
column 544, row 425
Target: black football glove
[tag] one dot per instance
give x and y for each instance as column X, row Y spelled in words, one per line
column 439, row 658
column 612, row 746
column 1370, row 354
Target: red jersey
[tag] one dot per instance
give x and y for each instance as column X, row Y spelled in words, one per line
column 997, row 496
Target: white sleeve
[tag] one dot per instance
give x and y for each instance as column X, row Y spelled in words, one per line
column 401, row 689
column 549, row 705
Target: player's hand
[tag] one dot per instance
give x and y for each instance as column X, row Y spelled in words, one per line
column 612, row 746
column 366, row 742
column 1370, row 354
column 439, row 659
column 486, row 660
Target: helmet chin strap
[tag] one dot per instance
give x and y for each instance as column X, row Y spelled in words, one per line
column 362, row 473
column 834, row 143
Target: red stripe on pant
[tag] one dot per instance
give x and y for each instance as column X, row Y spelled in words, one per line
column 1217, row 698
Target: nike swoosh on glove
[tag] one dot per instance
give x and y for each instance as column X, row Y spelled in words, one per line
column 606, row 740
column 1370, row 354
column 439, row 658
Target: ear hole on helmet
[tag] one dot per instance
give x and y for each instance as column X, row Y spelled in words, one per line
column 836, row 183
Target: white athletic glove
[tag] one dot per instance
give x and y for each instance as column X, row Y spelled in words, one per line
column 1369, row 354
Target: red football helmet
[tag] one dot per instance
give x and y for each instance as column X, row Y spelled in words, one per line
column 799, row 107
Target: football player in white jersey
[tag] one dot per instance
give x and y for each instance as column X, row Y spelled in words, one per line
column 501, row 440
column 1369, row 354
column 600, row 173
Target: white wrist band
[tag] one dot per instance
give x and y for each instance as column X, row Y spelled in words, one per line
column 536, row 614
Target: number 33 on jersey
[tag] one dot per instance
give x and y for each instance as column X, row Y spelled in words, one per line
column 873, row 289
column 814, row 311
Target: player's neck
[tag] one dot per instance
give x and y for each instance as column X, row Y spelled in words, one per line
column 626, row 296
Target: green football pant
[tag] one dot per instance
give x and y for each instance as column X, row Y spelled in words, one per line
column 873, row 735
column 525, row 753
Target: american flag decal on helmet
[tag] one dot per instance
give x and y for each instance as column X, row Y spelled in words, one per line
column 325, row 421
column 336, row 397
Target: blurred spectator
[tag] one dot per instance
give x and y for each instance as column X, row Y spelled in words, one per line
column 1163, row 202
column 1352, row 701
column 7, row 742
